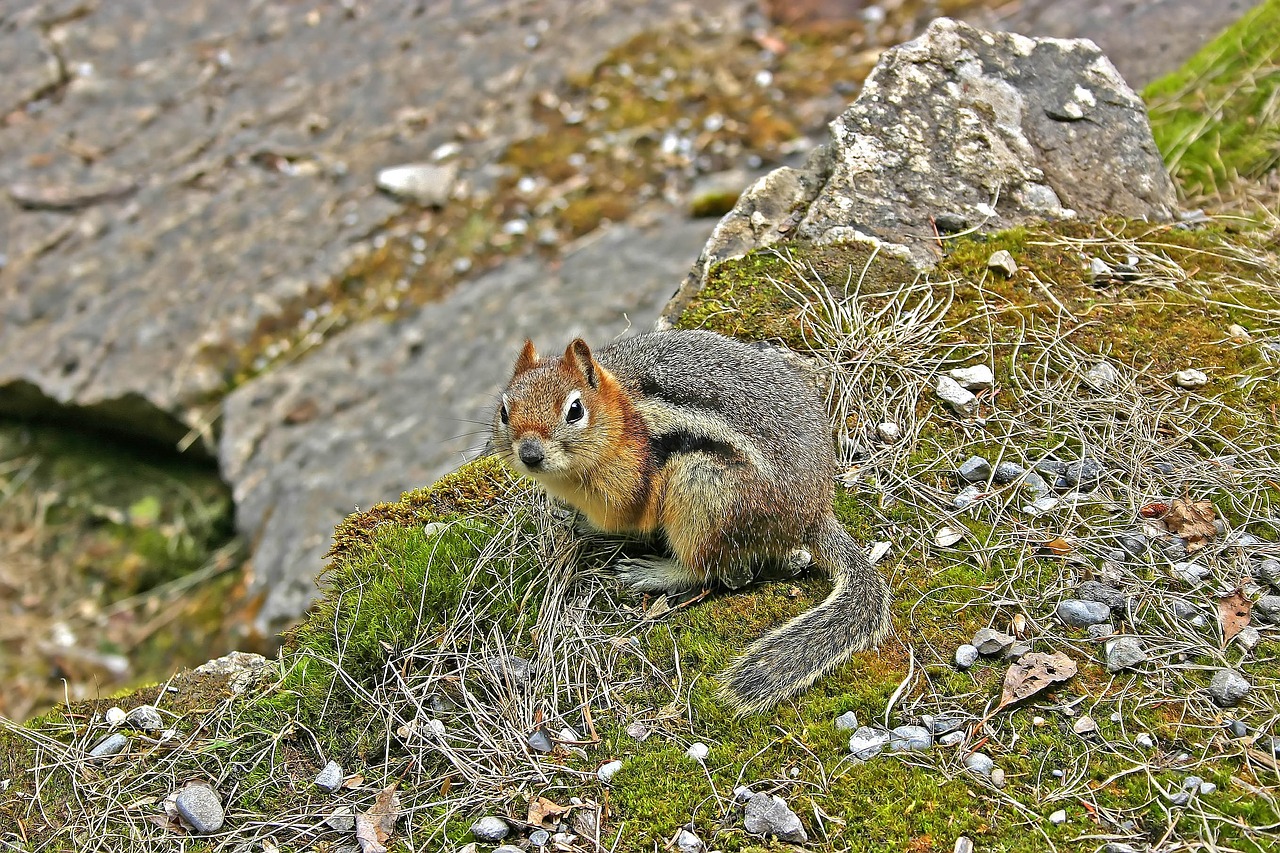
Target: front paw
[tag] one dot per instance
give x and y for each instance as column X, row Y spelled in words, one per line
column 654, row 574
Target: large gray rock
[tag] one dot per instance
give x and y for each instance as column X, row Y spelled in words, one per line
column 985, row 130
column 394, row 406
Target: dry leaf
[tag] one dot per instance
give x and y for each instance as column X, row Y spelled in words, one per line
column 1233, row 613
column 1192, row 520
column 541, row 808
column 1154, row 510
column 1032, row 673
column 1059, row 546
column 376, row 825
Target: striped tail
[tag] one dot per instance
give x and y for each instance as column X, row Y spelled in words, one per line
column 854, row 617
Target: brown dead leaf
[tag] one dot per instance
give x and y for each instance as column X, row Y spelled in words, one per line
column 1154, row 510
column 1032, row 673
column 376, row 825
column 541, row 808
column 1059, row 546
column 1233, row 613
column 1192, row 520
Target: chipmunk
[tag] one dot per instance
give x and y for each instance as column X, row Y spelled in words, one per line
column 720, row 447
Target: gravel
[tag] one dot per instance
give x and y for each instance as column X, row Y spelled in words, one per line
column 847, row 721
column 961, row 401
column 145, row 717
column 607, row 770
column 1228, row 687
column 109, row 746
column 1108, row 595
column 989, row 641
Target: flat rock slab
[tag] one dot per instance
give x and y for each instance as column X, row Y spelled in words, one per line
column 213, row 163
column 387, row 407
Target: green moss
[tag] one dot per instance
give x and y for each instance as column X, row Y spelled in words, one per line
column 1217, row 119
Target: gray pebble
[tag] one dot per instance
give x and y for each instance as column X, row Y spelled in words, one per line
column 910, row 739
column 1175, row 548
column 199, row 806
column 1050, row 467
column 1003, row 263
column 1268, row 571
column 962, row 402
column 1228, row 687
column 1237, row 728
column 975, row 469
column 109, row 746
column 1040, row 506
column 1191, row 573
column 607, row 770
column 767, row 814
column 1134, row 544
column 1248, row 638
column 1082, row 614
column 741, row 794
column 979, row 763
column 1085, row 472
column 510, row 667
column 847, row 721
column 1035, row 483
column 977, row 377
column 997, row 777
column 867, row 742
column 145, row 717
column 1007, row 472
column 1168, row 469
column 1184, row 611
column 539, row 838
column 966, row 656
column 1108, row 595
column 1101, row 631
column 1268, row 607
column 1017, row 650
column 330, row 778
column 1102, row 377
column 941, row 724
column 490, row 829
column 539, row 741
column 343, row 819
column 687, row 842
column 507, row 848
column 1124, row 653
column 967, row 497
column 989, row 641
column 1099, row 270
column 952, row 739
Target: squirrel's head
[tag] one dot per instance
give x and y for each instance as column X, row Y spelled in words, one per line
column 558, row 416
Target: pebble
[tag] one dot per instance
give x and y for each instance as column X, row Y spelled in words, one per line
column 997, row 777
column 199, row 806
column 342, row 819
column 968, row 497
column 687, row 842
column 1190, row 379
column 109, row 746
column 1017, row 650
column 1191, row 573
column 952, row 739
column 607, row 770
column 989, row 641
column 1145, row 741
column 1099, row 270
column 1101, row 631
column 942, row 723
column 1007, row 472
column 428, row 184
column 1085, row 725
column 1084, row 472
column 978, row 377
column 1059, row 817
column 114, row 717
column 1228, row 687
column 966, row 656
column 1040, row 506
column 1134, row 544
column 889, row 432
column 1237, row 728
column 539, row 838
column 961, row 401
column 1268, row 571
column 145, row 717
column 1035, row 484
column 1108, row 595
column 1003, row 263
column 1082, row 614
column 741, row 794
column 1124, row 653
column 507, row 848
column 638, row 731
column 490, row 829
column 1248, row 638
column 979, row 763
column 945, row 537
column 698, row 751
column 975, row 469
column 964, row 844
column 767, row 814
column 330, row 778
column 508, row 667
column 847, row 721
column 1268, row 607
column 910, row 739
column 868, row 742
column 540, row 742
column 1102, row 377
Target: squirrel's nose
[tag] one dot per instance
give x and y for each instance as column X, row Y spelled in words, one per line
column 531, row 452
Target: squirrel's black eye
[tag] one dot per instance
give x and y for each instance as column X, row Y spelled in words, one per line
column 575, row 413
column 504, row 415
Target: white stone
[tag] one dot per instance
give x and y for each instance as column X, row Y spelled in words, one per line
column 889, row 432
column 1190, row 378
column 1059, row 817
column 698, row 751
column 961, row 401
column 114, row 716
column 977, row 377
column 428, row 184
column 1003, row 262
column 607, row 770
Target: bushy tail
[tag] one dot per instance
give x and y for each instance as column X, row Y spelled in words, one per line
column 854, row 617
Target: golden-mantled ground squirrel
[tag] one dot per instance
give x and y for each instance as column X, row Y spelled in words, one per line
column 722, row 448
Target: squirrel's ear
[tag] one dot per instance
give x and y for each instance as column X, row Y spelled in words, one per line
column 528, row 358
column 578, row 354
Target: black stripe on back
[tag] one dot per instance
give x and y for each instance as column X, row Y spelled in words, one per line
column 665, row 445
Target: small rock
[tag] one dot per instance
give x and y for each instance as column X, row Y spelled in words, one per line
column 1101, row 631
column 507, row 848
column 342, row 819
column 539, row 838
column 1118, row 847
column 109, row 746
column 1017, row 650
column 1237, row 729
column 989, row 641
column 1268, row 572
column 1207, row 788
column 698, row 751
column 997, row 777
column 966, row 656
column 638, row 731
column 1099, row 270
column 1007, row 472
column 1268, row 608
column 687, row 842
column 198, row 805
column 1228, row 687
column 1145, row 741
column 945, row 537
column 952, row 739
column 1124, row 653
column 540, row 742
column 867, row 742
column 977, row 377
column 1059, row 817
column 1108, row 595
column 1248, row 638
column 767, row 814
column 330, row 778
column 962, row 402
column 1040, row 506
column 114, row 717
column 607, row 770
column 910, row 739
column 1190, row 379
column 508, row 667
column 1084, row 472
column 1191, row 573
column 428, row 184
column 963, row 844
column 847, row 721
column 490, row 829
column 741, row 794
column 979, row 763
column 1035, row 484
column 1102, row 377
column 1003, row 263
column 1134, row 544
column 975, row 469
column 145, row 717
column 1084, row 725
column 968, row 497
column 889, row 432
column 1082, row 614
column 942, row 723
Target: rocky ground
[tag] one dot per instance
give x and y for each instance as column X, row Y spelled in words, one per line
column 194, row 240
